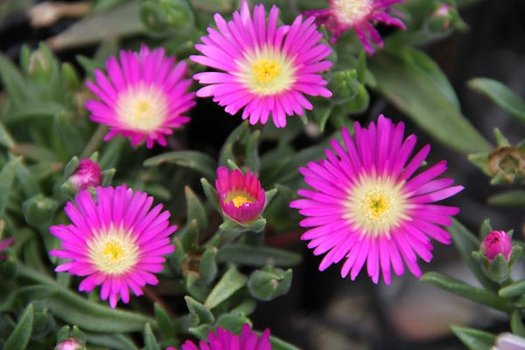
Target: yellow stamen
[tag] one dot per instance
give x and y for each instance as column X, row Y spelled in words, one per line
column 376, row 205
column 240, row 200
column 266, row 70
column 113, row 251
column 142, row 108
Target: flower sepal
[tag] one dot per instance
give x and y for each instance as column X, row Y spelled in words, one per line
column 498, row 269
column 39, row 211
column 234, row 227
column 70, row 339
column 269, row 283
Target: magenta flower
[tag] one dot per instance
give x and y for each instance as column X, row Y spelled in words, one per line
column 497, row 242
column 88, row 174
column 358, row 15
column 265, row 68
column 69, row 344
column 143, row 96
column 241, row 197
column 4, row 244
column 117, row 241
column 366, row 204
column 223, row 339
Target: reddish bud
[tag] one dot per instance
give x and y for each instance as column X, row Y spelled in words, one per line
column 497, row 242
column 4, row 244
column 88, row 174
column 69, row 344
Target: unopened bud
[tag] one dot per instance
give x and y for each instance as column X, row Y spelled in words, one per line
column 69, row 344
column 4, row 244
column 88, row 174
column 497, row 242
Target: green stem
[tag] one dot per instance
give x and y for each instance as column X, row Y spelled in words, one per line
column 95, row 141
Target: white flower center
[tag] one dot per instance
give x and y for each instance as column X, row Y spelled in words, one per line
column 113, row 251
column 266, row 71
column 142, row 108
column 350, row 12
column 376, row 205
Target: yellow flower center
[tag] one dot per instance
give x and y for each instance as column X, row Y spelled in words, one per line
column 266, row 71
column 350, row 12
column 142, row 108
column 113, row 251
column 240, row 200
column 376, row 205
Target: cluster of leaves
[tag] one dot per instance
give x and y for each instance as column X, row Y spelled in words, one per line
column 219, row 270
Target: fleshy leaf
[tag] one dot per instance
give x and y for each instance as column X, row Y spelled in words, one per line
column 429, row 101
column 501, row 95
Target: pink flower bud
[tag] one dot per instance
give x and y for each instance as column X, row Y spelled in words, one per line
column 88, row 174
column 69, row 344
column 4, row 244
column 497, row 242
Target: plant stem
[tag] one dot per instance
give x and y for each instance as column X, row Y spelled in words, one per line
column 95, row 141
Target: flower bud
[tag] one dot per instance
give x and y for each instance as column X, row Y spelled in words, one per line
column 88, row 174
column 4, row 244
column 241, row 196
column 497, row 242
column 69, row 344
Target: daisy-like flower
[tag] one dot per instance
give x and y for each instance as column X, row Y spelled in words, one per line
column 241, row 197
column 265, row 68
column 223, row 339
column 118, row 241
column 358, row 15
column 367, row 205
column 143, row 96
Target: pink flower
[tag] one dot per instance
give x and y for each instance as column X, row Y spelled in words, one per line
column 117, row 241
column 265, row 68
column 88, row 174
column 69, row 344
column 143, row 96
column 223, row 339
column 241, row 197
column 367, row 205
column 358, row 15
column 497, row 242
column 4, row 244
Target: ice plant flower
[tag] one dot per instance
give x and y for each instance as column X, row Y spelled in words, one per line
column 367, row 205
column 358, row 15
column 4, row 244
column 143, row 96
column 265, row 68
column 117, row 241
column 88, row 174
column 495, row 243
column 223, row 339
column 241, row 197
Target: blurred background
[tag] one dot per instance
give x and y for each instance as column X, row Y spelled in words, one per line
column 323, row 311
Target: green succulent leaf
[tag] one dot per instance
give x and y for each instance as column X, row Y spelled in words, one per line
column 474, row 339
column 231, row 282
column 19, row 338
column 426, row 97
column 501, row 95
